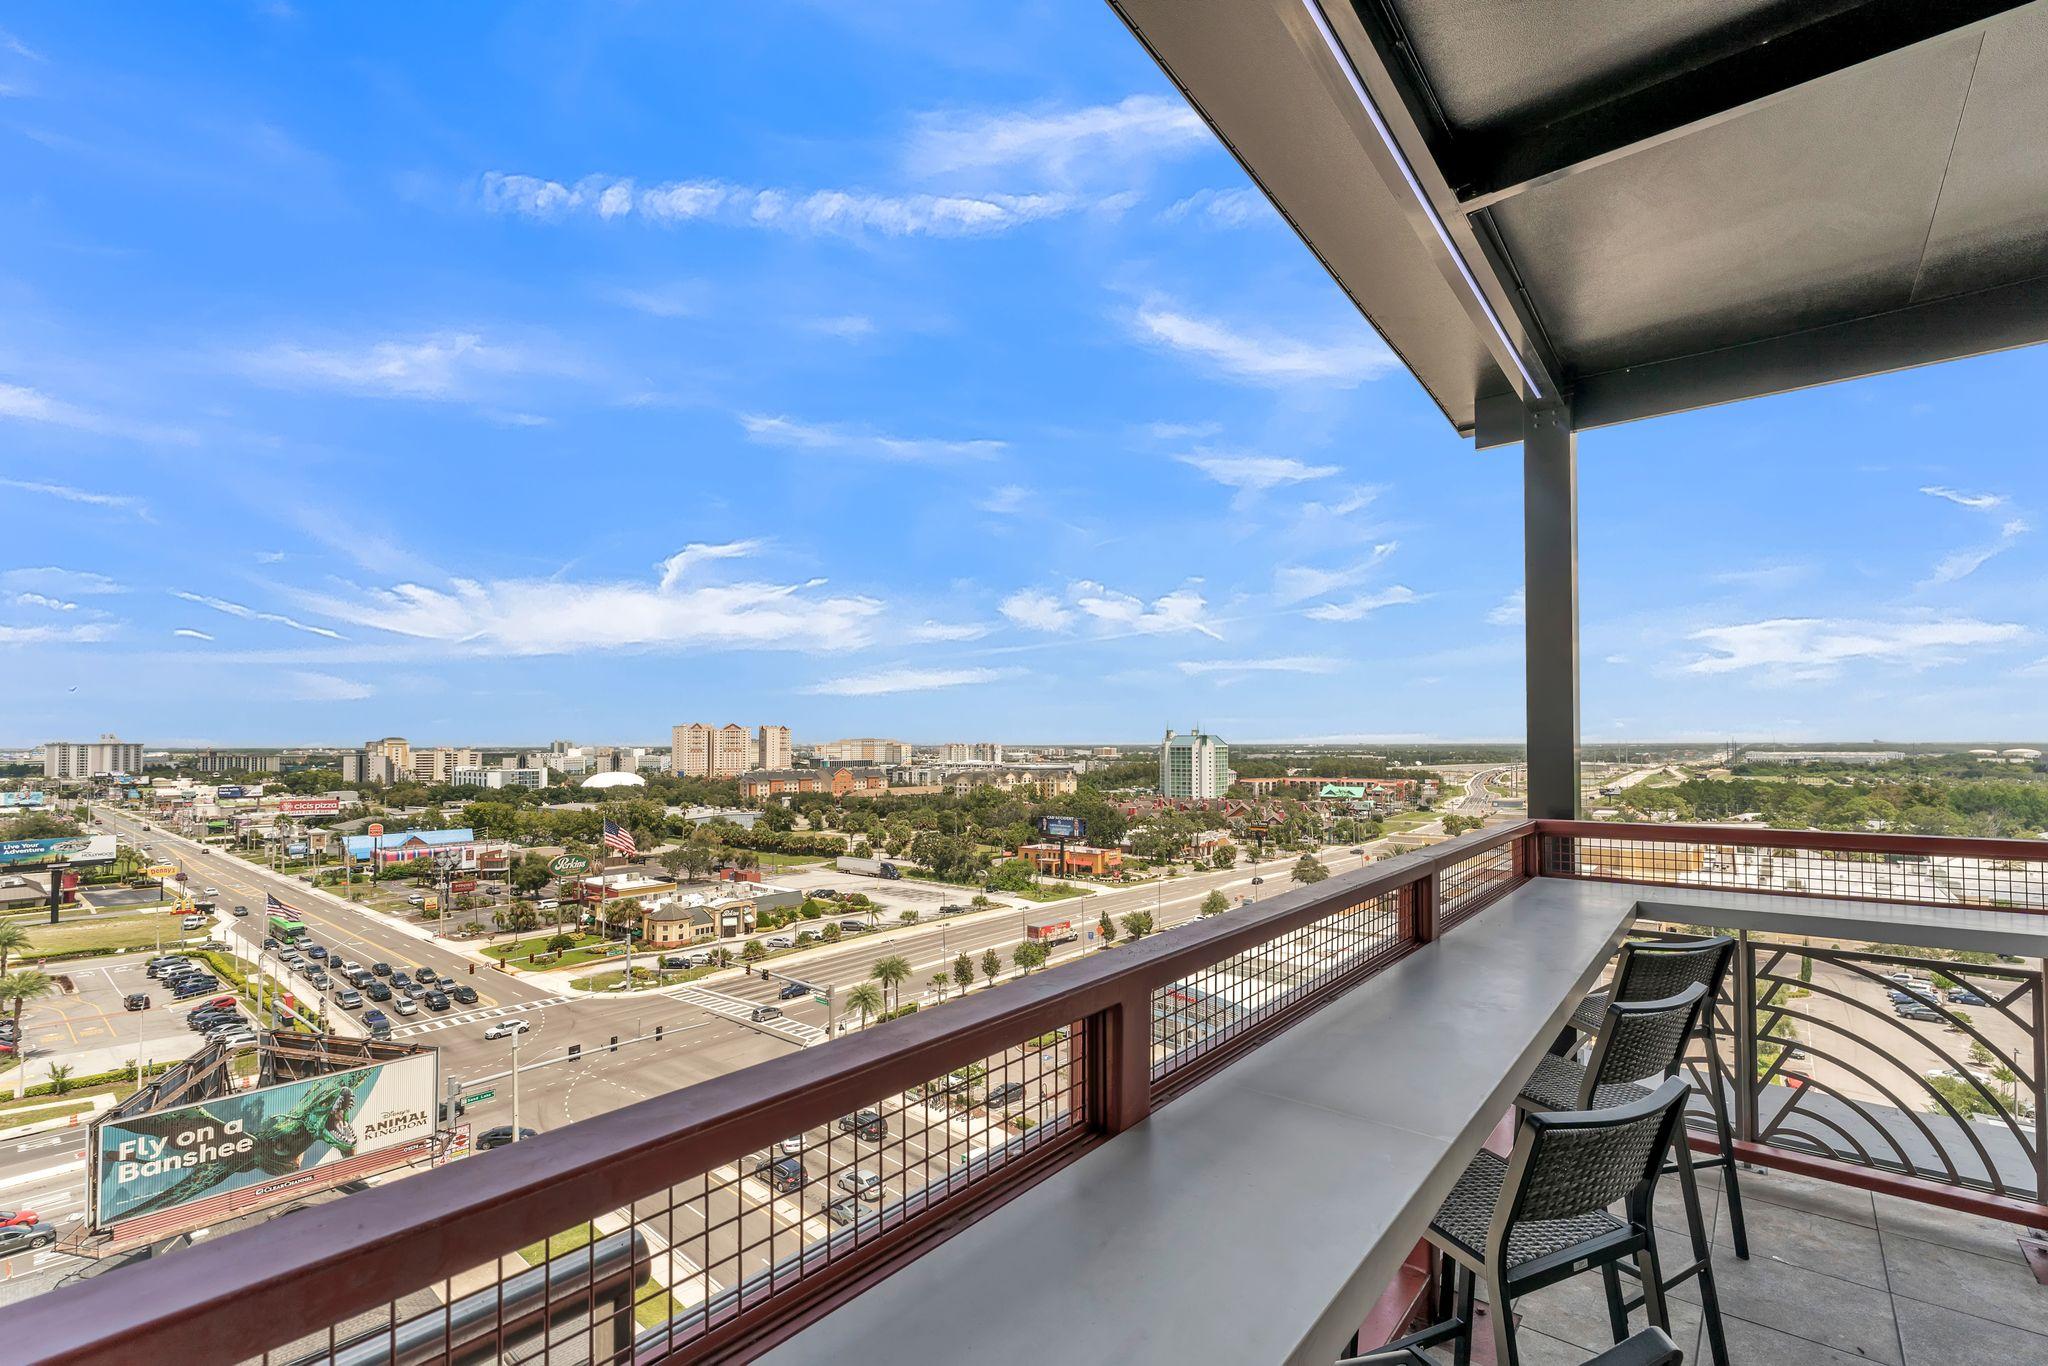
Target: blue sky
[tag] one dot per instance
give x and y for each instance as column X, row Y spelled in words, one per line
column 912, row 369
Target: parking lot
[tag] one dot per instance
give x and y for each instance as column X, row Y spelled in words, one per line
column 90, row 1019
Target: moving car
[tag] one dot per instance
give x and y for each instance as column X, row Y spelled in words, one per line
column 1007, row 1094
column 135, row 1000
column 436, row 1001
column 381, row 969
column 241, row 910
column 213, row 891
column 505, row 1029
column 499, row 1136
column 404, row 1006
column 25, row 1238
column 373, row 1018
column 794, row 990
column 316, row 952
column 377, row 991
column 425, row 976
column 760, row 1013
column 348, row 998
column 19, row 1218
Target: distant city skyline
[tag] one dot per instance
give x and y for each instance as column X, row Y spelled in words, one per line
column 946, row 378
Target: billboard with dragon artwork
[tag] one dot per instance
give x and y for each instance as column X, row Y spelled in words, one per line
column 212, row 1159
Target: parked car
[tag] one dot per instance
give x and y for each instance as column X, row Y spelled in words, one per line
column 186, row 990
column 135, row 1000
column 416, row 899
column 867, row 1124
column 165, row 968
column 1009, row 1093
column 505, row 1029
column 1913, row 1010
column 499, row 1136
column 863, row 1183
column 761, row 1013
column 793, row 990
column 793, row 1146
column 546, row 904
column 466, row 995
column 192, row 922
column 1963, row 996
column 676, row 960
column 781, row 941
column 785, row 1175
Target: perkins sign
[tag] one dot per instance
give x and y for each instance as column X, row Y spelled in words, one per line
column 218, row 1158
column 309, row 806
column 569, row 863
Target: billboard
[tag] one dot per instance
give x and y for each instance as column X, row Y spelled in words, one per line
column 309, row 806
column 226, row 793
column 193, row 1164
column 296, row 850
column 1062, row 827
column 77, row 848
column 25, row 799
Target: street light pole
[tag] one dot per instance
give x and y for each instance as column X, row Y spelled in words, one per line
column 515, row 1085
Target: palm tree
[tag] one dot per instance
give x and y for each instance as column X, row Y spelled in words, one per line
column 60, row 1078
column 892, row 972
column 938, row 984
column 13, row 939
column 867, row 999
column 20, row 987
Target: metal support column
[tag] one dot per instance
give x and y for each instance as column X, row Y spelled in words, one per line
column 1550, row 542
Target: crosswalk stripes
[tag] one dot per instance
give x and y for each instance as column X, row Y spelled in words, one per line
column 473, row 1016
column 733, row 1008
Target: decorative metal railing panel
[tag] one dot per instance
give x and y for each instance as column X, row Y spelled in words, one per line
column 1995, row 874
column 1469, row 885
column 1198, row 1014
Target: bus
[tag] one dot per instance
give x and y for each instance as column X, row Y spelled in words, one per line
column 286, row 929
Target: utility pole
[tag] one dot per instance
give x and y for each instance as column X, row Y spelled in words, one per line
column 515, row 1084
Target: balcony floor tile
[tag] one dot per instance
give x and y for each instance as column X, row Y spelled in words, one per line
column 1999, row 1289
column 1834, row 1247
column 1935, row 1336
column 1946, row 1228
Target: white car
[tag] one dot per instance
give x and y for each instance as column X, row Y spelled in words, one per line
column 192, row 922
column 505, row 1029
column 416, row 899
column 404, row 1005
column 213, row 891
column 548, row 905
column 794, row 1146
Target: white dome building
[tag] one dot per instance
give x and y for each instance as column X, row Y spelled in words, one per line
column 614, row 780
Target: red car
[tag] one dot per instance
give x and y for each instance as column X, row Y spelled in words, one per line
column 20, row 1218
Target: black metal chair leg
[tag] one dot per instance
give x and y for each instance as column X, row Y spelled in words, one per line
column 1731, row 1183
column 1702, row 1252
column 1617, row 1315
column 1468, row 1285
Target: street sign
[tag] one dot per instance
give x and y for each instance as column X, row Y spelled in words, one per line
column 569, row 863
column 478, row 1098
column 822, row 1000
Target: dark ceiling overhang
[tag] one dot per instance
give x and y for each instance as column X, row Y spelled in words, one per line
column 1642, row 208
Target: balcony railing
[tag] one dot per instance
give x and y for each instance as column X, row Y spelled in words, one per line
column 684, row 1227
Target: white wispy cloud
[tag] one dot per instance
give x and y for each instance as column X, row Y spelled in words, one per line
column 1004, row 499
column 1298, row 582
column 556, row 616
column 1286, row 664
column 1181, row 431
column 270, row 557
column 1255, row 473
column 883, row 681
column 1036, row 610
column 440, row 365
column 21, row 404
column 675, row 566
column 117, row 502
column 1816, row 647
column 10, row 43
column 845, row 326
column 1511, row 610
column 776, row 430
column 1763, row 576
column 946, row 630
column 82, row 634
column 310, row 686
column 1221, row 208
column 44, row 600
column 189, row 634
column 1978, row 501
column 1363, row 606
column 236, row 609
column 50, row 578
column 681, row 299
column 1057, row 143
column 843, row 212
column 1263, row 356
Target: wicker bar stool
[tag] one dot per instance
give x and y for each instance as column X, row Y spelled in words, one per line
column 1649, row 970
column 1541, row 1216
column 1639, row 1039
column 1650, row 1347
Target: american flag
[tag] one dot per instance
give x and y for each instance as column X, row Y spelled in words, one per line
column 620, row 840
column 271, row 903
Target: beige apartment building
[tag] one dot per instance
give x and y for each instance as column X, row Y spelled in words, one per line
column 866, row 751
column 438, row 765
column 700, row 750
column 392, row 747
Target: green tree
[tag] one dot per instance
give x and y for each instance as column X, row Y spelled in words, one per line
column 963, row 972
column 561, row 943
column 1964, row 1097
column 1214, row 904
column 865, row 997
column 672, row 861
column 831, row 933
column 991, row 966
column 529, row 874
column 1308, row 870
column 724, row 956
column 753, row 952
column 60, row 1078
column 1029, row 954
column 938, row 984
column 19, row 988
column 1011, row 875
column 1225, row 856
column 891, row 972
column 13, row 939
column 696, row 859
column 1138, row 924
column 1106, row 927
